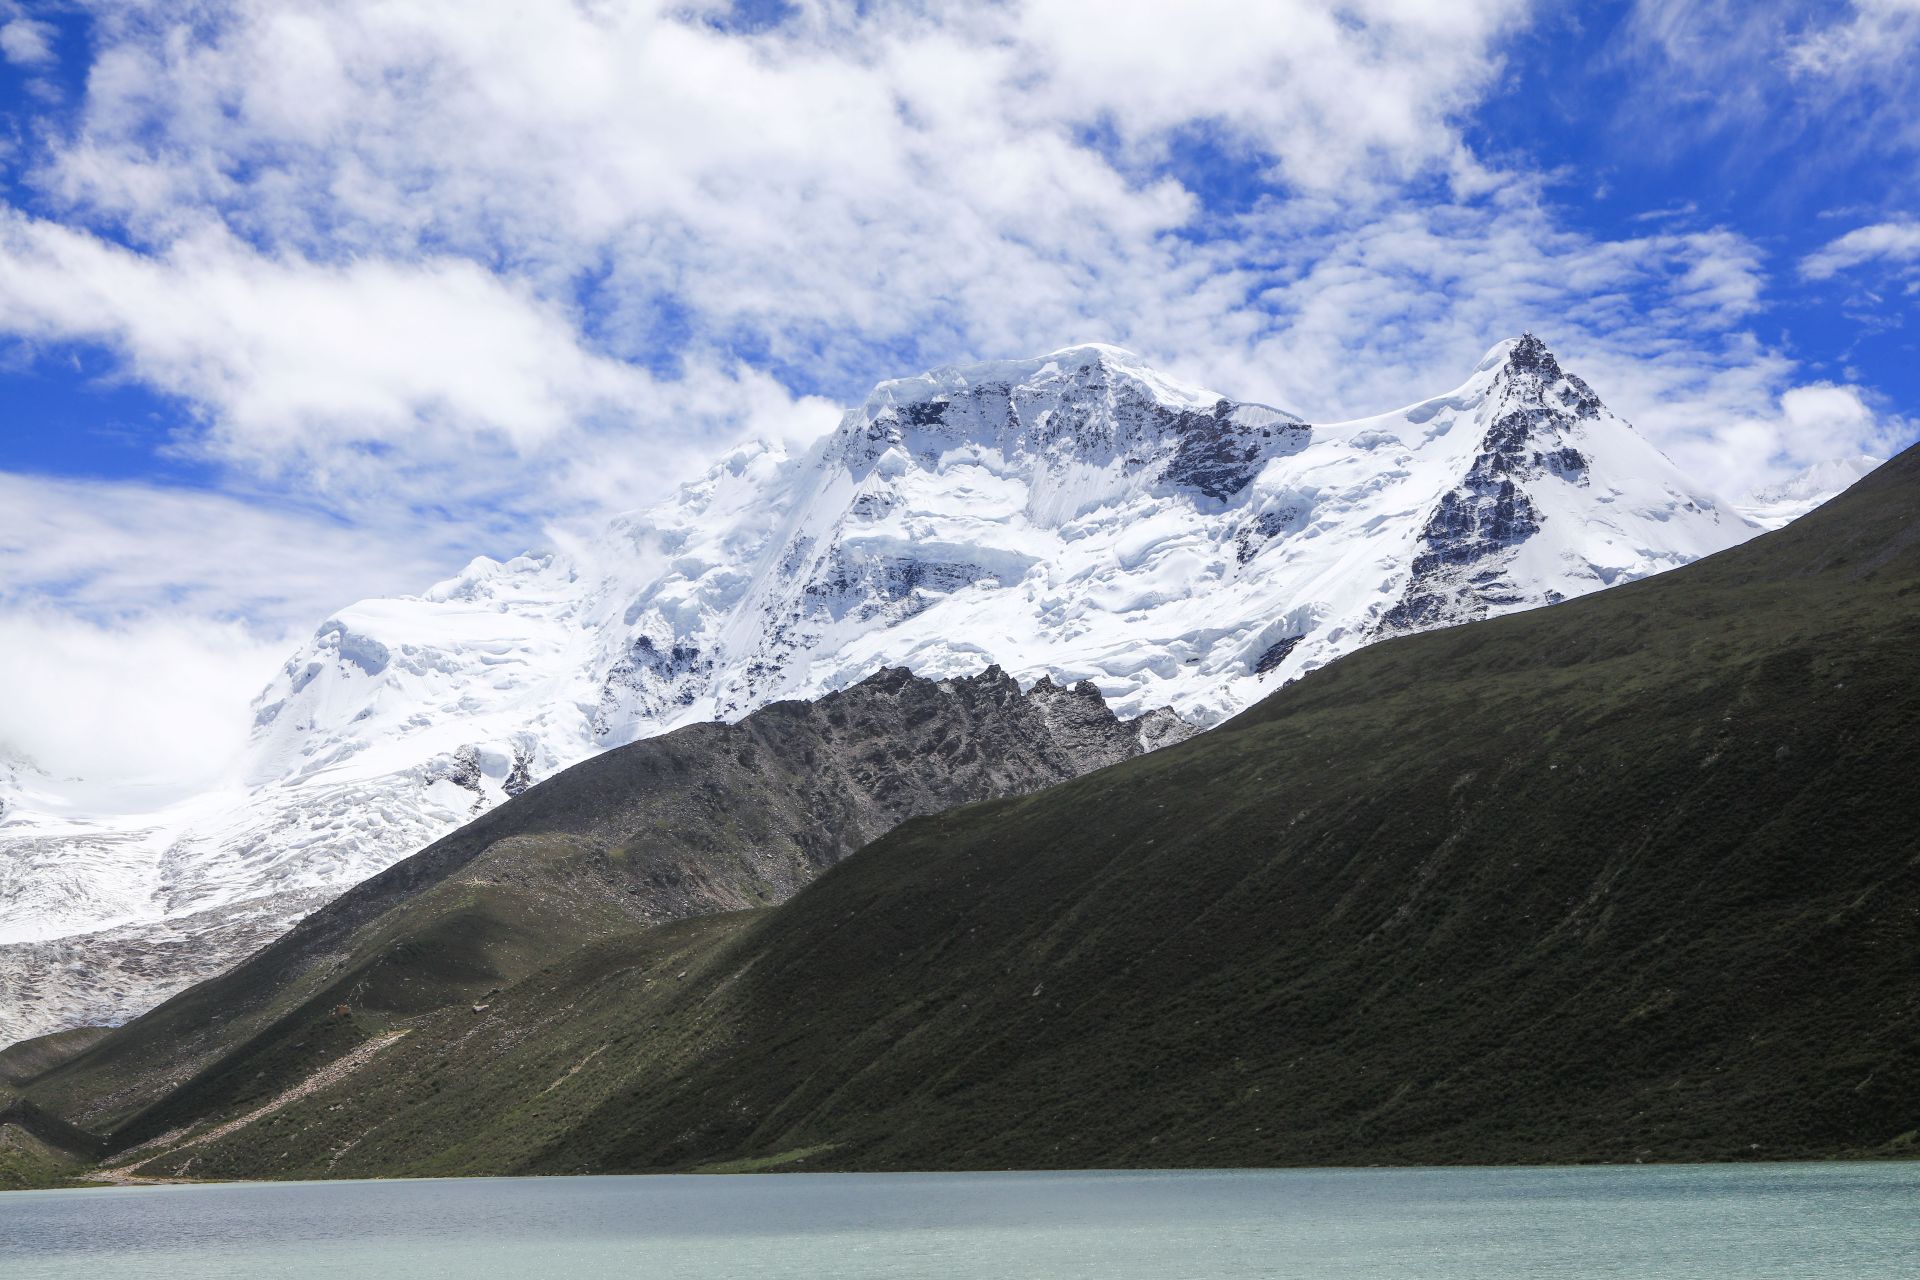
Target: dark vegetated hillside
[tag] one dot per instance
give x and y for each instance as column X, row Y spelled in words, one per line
column 1635, row 876
column 709, row 818
column 26, row 1059
column 1632, row 877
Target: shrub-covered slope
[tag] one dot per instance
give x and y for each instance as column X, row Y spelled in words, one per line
column 1633, row 877
column 23, row 1061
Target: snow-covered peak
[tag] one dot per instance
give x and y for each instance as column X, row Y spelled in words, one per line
column 1084, row 427
column 1072, row 517
column 1063, row 372
column 486, row 577
column 1776, row 504
column 1075, row 513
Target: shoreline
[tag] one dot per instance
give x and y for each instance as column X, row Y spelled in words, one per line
column 103, row 1177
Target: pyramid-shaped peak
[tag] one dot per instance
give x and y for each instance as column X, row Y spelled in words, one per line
column 1532, row 369
column 1526, row 353
column 1530, row 355
column 1524, row 370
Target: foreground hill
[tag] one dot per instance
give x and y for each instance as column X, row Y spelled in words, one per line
column 1077, row 515
column 1632, row 877
column 709, row 818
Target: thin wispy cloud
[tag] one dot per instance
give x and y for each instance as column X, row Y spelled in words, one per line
column 1873, row 40
column 1895, row 244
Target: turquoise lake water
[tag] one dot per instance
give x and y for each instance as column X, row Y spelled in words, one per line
column 1858, row 1221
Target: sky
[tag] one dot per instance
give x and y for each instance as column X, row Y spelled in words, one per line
column 307, row 302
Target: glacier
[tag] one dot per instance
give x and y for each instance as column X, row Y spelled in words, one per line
column 1076, row 516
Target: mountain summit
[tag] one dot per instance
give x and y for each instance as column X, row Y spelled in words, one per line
column 1077, row 515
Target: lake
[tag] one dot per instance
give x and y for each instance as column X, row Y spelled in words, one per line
column 1857, row 1221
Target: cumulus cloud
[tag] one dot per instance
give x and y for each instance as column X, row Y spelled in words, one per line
column 434, row 379
column 136, row 622
column 1751, row 435
column 316, row 355
column 27, row 42
column 853, row 194
column 856, row 187
column 153, row 701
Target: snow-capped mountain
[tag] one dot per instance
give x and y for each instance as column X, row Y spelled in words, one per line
column 1077, row 516
column 1774, row 505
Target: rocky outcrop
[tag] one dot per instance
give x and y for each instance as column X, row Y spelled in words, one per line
column 1460, row 570
column 1161, row 727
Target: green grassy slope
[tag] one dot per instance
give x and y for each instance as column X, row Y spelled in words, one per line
column 1633, row 877
column 28, row 1164
column 22, row 1061
column 712, row 817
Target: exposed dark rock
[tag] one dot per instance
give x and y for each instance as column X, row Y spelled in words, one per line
column 649, row 680
column 1275, row 654
column 462, row 769
column 520, row 777
column 1459, row 572
column 1161, row 727
column 1219, row 455
column 1265, row 527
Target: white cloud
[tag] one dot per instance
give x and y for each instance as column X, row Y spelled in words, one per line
column 27, row 42
column 857, row 197
column 434, row 382
column 1804, row 425
column 360, row 232
column 103, row 549
column 843, row 184
column 1896, row 242
column 1876, row 36
column 154, row 700
column 369, row 241
column 1833, row 413
column 136, row 622
column 1285, row 84
column 393, row 227
column 296, row 358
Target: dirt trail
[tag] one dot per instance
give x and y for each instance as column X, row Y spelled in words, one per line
column 334, row 1072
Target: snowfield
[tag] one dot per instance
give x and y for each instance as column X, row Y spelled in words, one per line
column 1077, row 516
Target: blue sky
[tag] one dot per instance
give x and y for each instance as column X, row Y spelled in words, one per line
column 302, row 302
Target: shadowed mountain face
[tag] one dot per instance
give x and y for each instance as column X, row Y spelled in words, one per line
column 1631, row 877
column 706, row 819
